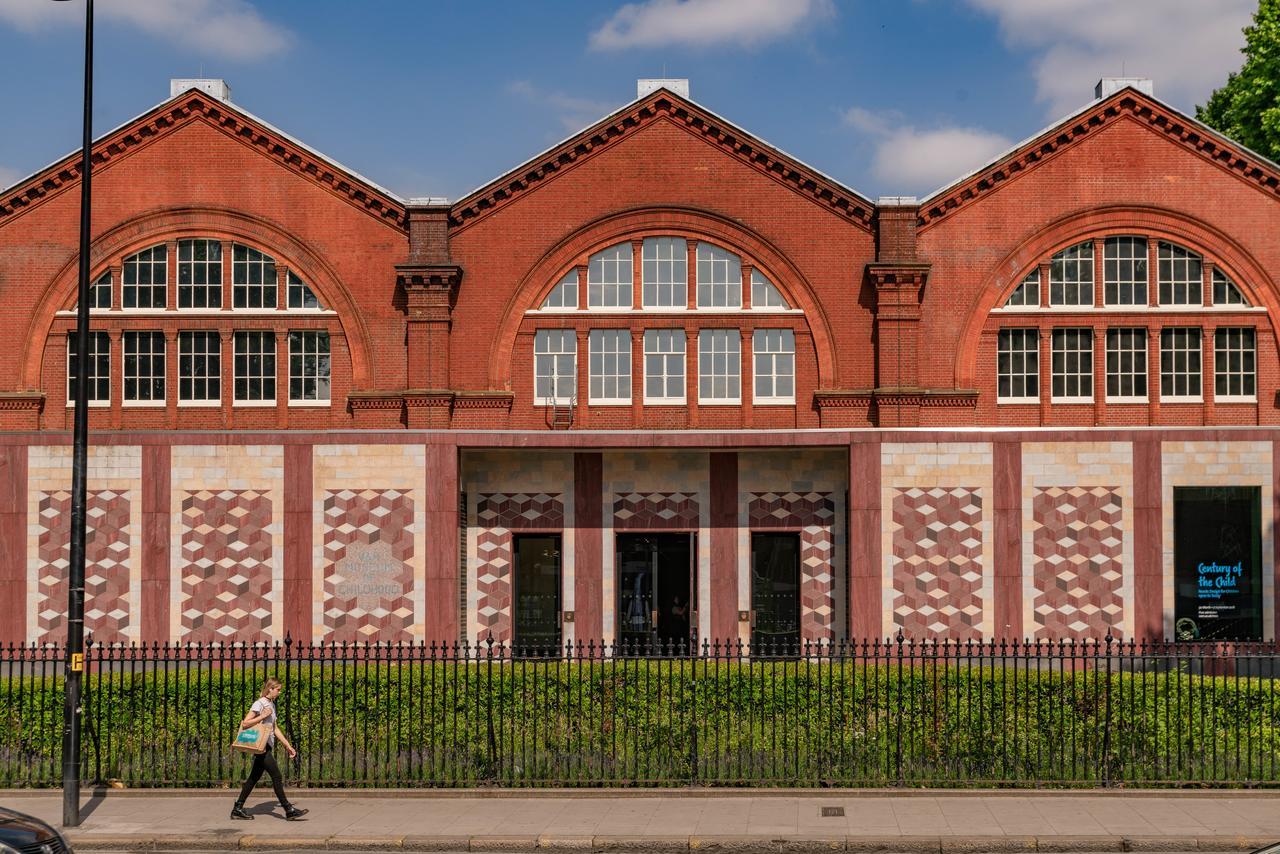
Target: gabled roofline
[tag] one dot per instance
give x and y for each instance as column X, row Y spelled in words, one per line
column 955, row 194
column 114, row 142
column 779, row 163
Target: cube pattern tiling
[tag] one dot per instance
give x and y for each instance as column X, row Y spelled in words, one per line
column 937, row 562
column 368, row 569
column 226, row 566
column 812, row 514
column 1078, row 568
column 106, row 572
column 498, row 514
column 647, row 511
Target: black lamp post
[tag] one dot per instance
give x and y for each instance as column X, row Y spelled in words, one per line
column 74, row 662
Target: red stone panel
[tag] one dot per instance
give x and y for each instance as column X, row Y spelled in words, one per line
column 106, row 572
column 1077, row 554
column 368, row 574
column 812, row 514
column 937, row 562
column 647, row 511
column 497, row 514
column 226, row 566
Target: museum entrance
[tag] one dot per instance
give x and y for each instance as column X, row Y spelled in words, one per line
column 656, row 601
column 775, row 594
column 536, row 595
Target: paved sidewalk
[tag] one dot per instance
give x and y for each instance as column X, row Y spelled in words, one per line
column 668, row 821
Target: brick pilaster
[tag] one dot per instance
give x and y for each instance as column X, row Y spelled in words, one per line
column 442, row 620
column 588, row 544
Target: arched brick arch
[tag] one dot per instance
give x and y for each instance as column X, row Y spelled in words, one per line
column 158, row 226
column 1247, row 273
column 647, row 222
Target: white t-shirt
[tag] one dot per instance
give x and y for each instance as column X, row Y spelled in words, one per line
column 262, row 704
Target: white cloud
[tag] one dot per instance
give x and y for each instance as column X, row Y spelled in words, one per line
column 1186, row 46
column 699, row 23
column 229, row 29
column 913, row 160
column 573, row 113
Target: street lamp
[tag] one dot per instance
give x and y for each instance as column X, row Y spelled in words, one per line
column 74, row 662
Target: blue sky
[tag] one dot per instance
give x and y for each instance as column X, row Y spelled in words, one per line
column 436, row 98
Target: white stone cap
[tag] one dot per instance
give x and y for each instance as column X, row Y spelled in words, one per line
column 208, row 85
column 679, row 85
column 1108, row 86
column 427, row 201
column 896, row 201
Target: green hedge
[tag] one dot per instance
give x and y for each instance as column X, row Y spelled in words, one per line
column 644, row 722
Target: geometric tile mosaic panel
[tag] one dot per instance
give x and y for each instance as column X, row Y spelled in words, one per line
column 937, row 562
column 106, row 571
column 225, row 566
column 497, row 514
column 1078, row 569
column 649, row 511
column 368, row 574
column 813, row 515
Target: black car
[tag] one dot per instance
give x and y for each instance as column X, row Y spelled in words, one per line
column 24, row 834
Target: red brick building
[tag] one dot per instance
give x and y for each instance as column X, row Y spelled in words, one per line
column 662, row 380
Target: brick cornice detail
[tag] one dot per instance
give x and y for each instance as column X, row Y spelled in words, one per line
column 1125, row 105
column 373, row 400
column 435, row 398
column 197, row 106
column 21, row 401
column 859, row 398
column 863, row 397
column 445, row 277
column 483, row 400
column 661, row 106
column 898, row 289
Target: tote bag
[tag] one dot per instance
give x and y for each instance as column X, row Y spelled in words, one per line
column 252, row 739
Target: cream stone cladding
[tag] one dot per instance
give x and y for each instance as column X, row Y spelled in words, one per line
column 1218, row 464
column 370, row 498
column 641, row 476
column 800, row 478
column 114, row 474
column 510, row 475
column 921, row 480
column 1077, row 499
column 227, row 579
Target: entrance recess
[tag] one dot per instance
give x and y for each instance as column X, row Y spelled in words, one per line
column 536, row 597
column 656, row 604
column 775, row 593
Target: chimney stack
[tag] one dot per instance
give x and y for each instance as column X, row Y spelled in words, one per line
column 210, row 86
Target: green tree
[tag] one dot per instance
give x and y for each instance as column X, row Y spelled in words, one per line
column 1247, row 108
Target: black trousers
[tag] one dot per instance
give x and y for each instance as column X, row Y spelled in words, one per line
column 264, row 762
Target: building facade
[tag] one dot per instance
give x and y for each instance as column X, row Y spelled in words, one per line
column 660, row 382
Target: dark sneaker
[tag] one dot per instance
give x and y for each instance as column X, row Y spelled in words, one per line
column 238, row 812
column 293, row 813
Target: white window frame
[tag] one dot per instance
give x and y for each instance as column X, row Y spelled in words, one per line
column 668, row 347
column 1124, row 266
column 1221, row 279
column 1079, row 353
column 1169, row 354
column 608, row 363
column 243, row 353
column 773, row 358
column 100, row 356
column 188, row 355
column 1178, row 261
column 245, row 262
column 761, row 288
column 151, row 356
column 719, row 273
column 725, row 347
column 564, row 296
column 1030, row 373
column 101, row 286
column 1027, row 293
column 1245, row 347
column 295, row 285
column 1115, row 354
column 190, row 270
column 137, row 267
column 311, row 344
column 610, row 277
column 1072, row 268
column 552, row 347
column 664, row 273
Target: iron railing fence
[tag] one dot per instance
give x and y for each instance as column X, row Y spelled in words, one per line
column 876, row 713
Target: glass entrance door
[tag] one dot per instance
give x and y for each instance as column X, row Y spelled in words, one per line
column 536, row 597
column 775, row 594
column 655, row 592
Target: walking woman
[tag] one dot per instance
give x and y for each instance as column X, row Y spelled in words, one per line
column 264, row 710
